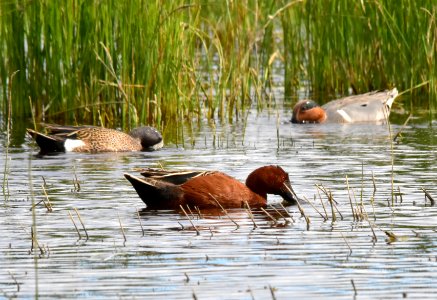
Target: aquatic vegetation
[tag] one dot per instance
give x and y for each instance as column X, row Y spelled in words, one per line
column 123, row 64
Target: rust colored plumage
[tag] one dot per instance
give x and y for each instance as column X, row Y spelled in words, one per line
column 307, row 111
column 168, row 189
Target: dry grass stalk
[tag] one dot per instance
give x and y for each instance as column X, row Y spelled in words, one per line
column 364, row 213
column 374, row 185
column 74, row 223
column 302, row 212
column 315, row 208
column 353, row 286
column 35, row 241
column 362, row 183
column 188, row 217
column 323, row 204
column 286, row 211
column 80, row 220
column 36, row 204
column 428, row 196
column 48, row 205
column 398, row 134
column 400, row 194
column 269, row 215
column 355, row 198
column 330, row 200
column 359, row 213
column 44, row 181
column 249, row 211
column 139, row 219
column 350, row 199
column 374, row 238
column 372, row 199
column 334, row 217
column 350, row 249
column 182, row 226
column 279, row 213
column 199, row 213
column 226, row 213
column 272, row 292
column 15, row 280
column 5, row 185
column 336, row 208
column 191, row 213
column 122, row 229
column 76, row 183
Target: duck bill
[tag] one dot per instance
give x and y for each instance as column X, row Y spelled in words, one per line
column 288, row 193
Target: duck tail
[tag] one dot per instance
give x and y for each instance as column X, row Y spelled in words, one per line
column 154, row 193
column 391, row 96
column 46, row 143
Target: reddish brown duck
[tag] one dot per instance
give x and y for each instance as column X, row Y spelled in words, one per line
column 161, row 189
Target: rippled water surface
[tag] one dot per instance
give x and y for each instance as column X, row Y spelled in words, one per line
column 161, row 255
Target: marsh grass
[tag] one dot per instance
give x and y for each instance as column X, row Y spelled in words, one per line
column 121, row 64
column 34, row 230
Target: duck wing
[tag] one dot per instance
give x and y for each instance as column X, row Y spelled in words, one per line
column 64, row 130
column 47, row 143
column 157, row 194
column 175, row 177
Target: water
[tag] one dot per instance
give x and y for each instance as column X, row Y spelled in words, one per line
column 165, row 258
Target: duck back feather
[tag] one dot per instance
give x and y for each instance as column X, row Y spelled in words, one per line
column 370, row 107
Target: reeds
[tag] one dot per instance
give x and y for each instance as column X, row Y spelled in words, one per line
column 364, row 45
column 5, row 185
column 117, row 63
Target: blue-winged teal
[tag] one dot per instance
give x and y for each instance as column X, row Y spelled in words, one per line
column 161, row 189
column 95, row 139
column 370, row 107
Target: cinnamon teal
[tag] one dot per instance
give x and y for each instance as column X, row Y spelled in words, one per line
column 95, row 139
column 370, row 107
column 160, row 189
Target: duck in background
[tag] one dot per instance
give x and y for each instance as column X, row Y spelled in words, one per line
column 95, row 139
column 370, row 107
column 161, row 189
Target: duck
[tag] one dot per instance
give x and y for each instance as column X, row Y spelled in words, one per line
column 166, row 189
column 93, row 139
column 372, row 107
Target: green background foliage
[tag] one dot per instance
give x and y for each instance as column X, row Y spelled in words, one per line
column 125, row 63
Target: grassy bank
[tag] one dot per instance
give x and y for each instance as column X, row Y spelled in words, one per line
column 121, row 63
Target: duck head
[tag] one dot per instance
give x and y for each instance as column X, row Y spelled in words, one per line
column 150, row 138
column 271, row 180
column 308, row 111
